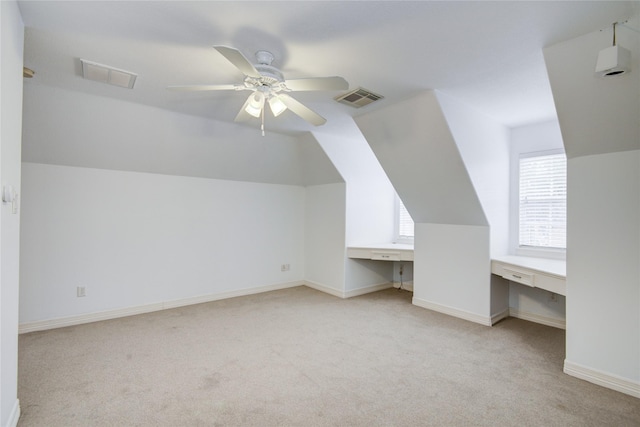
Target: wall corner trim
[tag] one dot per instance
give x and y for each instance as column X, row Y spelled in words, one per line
column 604, row 379
column 12, row 421
column 499, row 316
column 452, row 311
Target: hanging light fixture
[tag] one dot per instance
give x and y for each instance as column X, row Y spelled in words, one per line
column 277, row 106
column 255, row 104
column 613, row 60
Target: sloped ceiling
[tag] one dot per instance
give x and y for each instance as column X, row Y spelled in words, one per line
column 597, row 115
column 485, row 54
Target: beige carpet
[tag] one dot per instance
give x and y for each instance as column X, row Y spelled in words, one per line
column 299, row 357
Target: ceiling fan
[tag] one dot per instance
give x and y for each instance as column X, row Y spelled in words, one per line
column 268, row 85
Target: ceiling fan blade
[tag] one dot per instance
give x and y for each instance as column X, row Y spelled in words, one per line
column 302, row 110
column 238, row 59
column 197, row 88
column 318, row 83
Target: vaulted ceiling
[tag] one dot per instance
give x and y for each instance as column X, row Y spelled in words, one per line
column 485, row 54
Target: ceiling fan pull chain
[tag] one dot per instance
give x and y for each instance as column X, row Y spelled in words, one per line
column 262, row 126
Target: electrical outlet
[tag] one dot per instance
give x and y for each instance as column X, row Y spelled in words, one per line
column 81, row 292
column 285, row 267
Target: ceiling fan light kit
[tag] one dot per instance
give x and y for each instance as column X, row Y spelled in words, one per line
column 269, row 85
column 277, row 106
column 256, row 104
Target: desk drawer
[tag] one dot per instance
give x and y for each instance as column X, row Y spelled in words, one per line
column 385, row 256
column 518, row 276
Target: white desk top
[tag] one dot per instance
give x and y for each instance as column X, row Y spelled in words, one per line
column 555, row 267
column 543, row 265
column 397, row 246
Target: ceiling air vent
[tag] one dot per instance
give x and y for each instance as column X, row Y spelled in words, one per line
column 358, row 98
column 107, row 74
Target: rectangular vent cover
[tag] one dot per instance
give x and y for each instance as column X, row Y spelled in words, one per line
column 358, row 98
column 106, row 74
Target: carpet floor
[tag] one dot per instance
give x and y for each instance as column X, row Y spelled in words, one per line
column 299, row 357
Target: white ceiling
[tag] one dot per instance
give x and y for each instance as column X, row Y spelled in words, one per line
column 485, row 54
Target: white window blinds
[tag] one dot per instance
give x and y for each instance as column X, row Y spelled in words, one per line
column 543, row 201
column 405, row 223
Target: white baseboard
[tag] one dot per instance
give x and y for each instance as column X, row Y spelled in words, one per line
column 499, row 316
column 603, row 379
column 367, row 290
column 452, row 311
column 14, row 416
column 347, row 294
column 532, row 317
column 43, row 325
column 324, row 288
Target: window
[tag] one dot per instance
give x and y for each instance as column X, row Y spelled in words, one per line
column 542, row 199
column 404, row 223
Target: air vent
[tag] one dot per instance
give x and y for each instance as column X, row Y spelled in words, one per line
column 106, row 74
column 358, row 98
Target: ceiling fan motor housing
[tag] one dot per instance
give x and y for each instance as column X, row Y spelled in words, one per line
column 269, row 75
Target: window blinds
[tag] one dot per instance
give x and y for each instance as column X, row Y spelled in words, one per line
column 543, row 201
column 405, row 223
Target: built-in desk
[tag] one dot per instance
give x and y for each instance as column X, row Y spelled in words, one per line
column 382, row 252
column 548, row 274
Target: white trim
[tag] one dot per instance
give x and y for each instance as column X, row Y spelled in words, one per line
column 543, row 320
column 324, row 288
column 367, row 290
column 611, row 381
column 43, row 325
column 499, row 316
column 14, row 416
column 452, row 311
column 347, row 294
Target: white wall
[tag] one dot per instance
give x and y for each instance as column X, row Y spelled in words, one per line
column 77, row 129
column 416, row 148
column 414, row 144
column 134, row 238
column 600, row 126
column 324, row 236
column 11, row 52
column 603, row 290
column 451, row 270
column 369, row 204
column 484, row 146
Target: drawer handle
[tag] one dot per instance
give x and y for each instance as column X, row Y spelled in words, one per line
column 516, row 276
